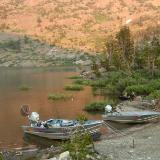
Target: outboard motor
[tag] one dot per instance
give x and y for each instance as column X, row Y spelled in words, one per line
column 108, row 109
column 33, row 118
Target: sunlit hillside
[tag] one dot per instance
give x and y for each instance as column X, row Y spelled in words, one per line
column 79, row 24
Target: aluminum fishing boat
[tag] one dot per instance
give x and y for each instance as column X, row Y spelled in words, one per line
column 132, row 117
column 60, row 128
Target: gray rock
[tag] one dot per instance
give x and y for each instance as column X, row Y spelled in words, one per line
column 65, row 156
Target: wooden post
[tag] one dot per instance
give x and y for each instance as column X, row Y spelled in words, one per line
column 133, row 144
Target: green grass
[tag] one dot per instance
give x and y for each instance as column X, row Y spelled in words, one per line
column 82, row 81
column 59, row 96
column 97, row 106
column 154, row 95
column 144, row 89
column 24, row 88
column 74, row 87
column 1, row 157
column 99, row 83
column 118, row 82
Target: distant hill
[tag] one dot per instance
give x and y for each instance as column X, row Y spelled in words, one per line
column 81, row 24
column 22, row 51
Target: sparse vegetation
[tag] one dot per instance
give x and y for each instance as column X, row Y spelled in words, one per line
column 11, row 44
column 83, row 19
column 98, row 106
column 74, row 87
column 59, row 96
column 78, row 146
column 82, row 81
column 154, row 95
column 24, row 88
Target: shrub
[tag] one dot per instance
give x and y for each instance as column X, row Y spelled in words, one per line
column 138, row 89
column 24, row 88
column 97, row 106
column 78, row 145
column 111, row 90
column 82, row 118
column 74, row 87
column 58, row 96
column 154, row 95
column 82, row 81
column 11, row 44
column 1, row 156
column 99, row 83
column 144, row 89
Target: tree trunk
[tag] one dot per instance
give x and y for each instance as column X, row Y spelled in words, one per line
column 153, row 67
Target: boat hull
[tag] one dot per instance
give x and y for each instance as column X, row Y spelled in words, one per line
column 138, row 117
column 64, row 133
column 63, row 136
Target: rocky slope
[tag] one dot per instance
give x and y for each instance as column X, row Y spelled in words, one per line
column 82, row 24
column 21, row 51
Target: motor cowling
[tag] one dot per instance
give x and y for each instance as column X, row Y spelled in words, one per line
column 108, row 108
column 34, row 117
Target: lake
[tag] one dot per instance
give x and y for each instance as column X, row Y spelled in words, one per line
column 42, row 81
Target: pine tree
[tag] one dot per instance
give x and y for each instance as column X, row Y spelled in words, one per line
column 126, row 45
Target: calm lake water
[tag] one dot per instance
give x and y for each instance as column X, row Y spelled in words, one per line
column 42, row 82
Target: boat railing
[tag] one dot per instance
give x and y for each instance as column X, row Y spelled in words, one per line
column 81, row 129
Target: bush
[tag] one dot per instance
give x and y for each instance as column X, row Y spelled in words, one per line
column 78, row 145
column 81, row 118
column 144, row 89
column 97, row 106
column 1, row 157
column 24, row 88
column 99, row 83
column 138, row 89
column 82, row 81
column 58, row 96
column 14, row 45
column 154, row 95
column 111, row 90
column 74, row 87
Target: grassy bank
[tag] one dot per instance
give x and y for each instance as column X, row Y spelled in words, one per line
column 118, row 83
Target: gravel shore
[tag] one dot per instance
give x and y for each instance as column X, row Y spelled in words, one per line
column 144, row 144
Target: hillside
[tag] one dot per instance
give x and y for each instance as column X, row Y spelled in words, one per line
column 22, row 51
column 81, row 24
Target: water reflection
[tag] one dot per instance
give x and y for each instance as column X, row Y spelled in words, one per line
column 42, row 82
